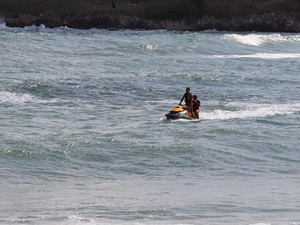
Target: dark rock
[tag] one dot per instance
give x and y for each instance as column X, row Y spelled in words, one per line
column 109, row 21
column 11, row 22
column 266, row 22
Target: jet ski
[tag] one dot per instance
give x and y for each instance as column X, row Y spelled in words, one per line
column 180, row 112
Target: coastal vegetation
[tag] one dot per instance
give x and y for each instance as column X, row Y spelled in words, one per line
column 154, row 9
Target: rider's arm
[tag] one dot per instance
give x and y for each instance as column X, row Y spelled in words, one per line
column 182, row 99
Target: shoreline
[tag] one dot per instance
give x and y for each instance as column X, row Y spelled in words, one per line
column 265, row 22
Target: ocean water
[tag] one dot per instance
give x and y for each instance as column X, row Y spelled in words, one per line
column 84, row 140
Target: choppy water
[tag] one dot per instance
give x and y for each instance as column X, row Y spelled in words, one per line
column 83, row 138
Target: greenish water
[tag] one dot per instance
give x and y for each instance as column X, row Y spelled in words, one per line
column 83, row 138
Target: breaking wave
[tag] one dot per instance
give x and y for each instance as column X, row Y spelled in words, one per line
column 260, row 39
column 261, row 56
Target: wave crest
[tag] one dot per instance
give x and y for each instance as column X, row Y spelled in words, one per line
column 260, row 39
column 261, row 56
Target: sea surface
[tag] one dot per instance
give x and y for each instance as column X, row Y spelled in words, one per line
column 84, row 139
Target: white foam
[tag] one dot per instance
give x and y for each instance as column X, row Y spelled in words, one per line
column 262, row 56
column 34, row 27
column 252, row 111
column 19, row 99
column 74, row 219
column 251, row 39
column 259, row 39
column 150, row 47
column 27, row 28
column 79, row 219
column 3, row 26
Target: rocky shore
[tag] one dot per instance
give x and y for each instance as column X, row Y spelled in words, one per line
column 266, row 22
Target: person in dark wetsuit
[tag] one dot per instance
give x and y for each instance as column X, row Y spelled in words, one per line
column 196, row 107
column 188, row 97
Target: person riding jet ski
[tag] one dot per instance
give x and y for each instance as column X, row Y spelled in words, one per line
column 196, row 107
column 188, row 97
column 183, row 112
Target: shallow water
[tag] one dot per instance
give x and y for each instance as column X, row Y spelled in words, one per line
column 84, row 139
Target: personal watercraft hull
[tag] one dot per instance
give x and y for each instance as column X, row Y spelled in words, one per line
column 177, row 117
column 180, row 112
